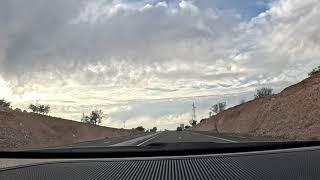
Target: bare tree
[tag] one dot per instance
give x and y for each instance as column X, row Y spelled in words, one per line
column 218, row 108
column 263, row 92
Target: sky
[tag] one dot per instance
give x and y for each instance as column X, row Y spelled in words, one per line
column 144, row 62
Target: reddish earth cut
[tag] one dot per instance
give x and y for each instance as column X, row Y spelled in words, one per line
column 30, row 130
column 294, row 113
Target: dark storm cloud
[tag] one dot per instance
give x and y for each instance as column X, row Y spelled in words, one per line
column 27, row 28
column 41, row 36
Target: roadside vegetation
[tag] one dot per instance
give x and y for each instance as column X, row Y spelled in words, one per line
column 193, row 123
column 4, row 103
column 203, row 120
column 154, row 129
column 263, row 92
column 218, row 108
column 315, row 71
column 39, row 108
column 94, row 118
column 140, row 128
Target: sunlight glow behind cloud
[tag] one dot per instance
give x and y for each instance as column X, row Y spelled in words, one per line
column 138, row 60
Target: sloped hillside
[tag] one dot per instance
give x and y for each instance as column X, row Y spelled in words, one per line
column 294, row 114
column 24, row 130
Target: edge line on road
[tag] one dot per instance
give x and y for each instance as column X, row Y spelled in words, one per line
column 149, row 139
column 228, row 140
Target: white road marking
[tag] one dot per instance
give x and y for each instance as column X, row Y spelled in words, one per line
column 149, row 139
column 228, row 140
column 134, row 141
column 223, row 139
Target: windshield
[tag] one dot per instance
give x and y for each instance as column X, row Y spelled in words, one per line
column 134, row 73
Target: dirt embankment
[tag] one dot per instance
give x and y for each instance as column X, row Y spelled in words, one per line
column 292, row 114
column 30, row 130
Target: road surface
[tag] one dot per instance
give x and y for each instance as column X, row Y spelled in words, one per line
column 158, row 137
column 184, row 136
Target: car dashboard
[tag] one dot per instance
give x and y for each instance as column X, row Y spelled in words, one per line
column 293, row 163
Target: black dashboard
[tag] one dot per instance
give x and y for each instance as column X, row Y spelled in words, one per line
column 292, row 163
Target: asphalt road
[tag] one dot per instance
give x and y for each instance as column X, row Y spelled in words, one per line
column 158, row 137
column 121, row 141
column 184, row 136
column 136, row 140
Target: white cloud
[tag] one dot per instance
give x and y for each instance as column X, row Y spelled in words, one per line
column 109, row 53
column 4, row 89
column 162, row 4
column 188, row 6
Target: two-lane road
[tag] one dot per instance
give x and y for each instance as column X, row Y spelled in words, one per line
column 159, row 137
column 185, row 136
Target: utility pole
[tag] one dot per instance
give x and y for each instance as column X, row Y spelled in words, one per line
column 194, row 112
column 194, row 118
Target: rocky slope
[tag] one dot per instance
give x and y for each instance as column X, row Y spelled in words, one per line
column 293, row 114
column 29, row 130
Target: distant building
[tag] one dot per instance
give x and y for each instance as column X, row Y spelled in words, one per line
column 182, row 126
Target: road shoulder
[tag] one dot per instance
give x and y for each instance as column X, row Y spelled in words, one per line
column 237, row 137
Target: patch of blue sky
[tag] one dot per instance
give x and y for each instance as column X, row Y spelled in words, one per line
column 246, row 8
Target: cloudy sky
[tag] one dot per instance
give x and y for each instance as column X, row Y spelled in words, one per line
column 145, row 61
